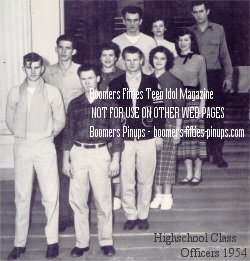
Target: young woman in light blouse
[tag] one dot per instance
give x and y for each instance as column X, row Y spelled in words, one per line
column 159, row 30
column 190, row 68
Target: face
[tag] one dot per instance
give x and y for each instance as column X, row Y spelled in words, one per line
column 133, row 62
column 33, row 70
column 184, row 43
column 200, row 14
column 160, row 61
column 108, row 58
column 158, row 28
column 132, row 22
column 65, row 51
column 89, row 80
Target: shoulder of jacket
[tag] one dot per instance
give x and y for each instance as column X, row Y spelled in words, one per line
column 217, row 26
column 149, row 38
column 199, row 57
column 14, row 90
column 118, row 37
column 120, row 78
column 52, row 89
column 149, row 77
column 173, row 78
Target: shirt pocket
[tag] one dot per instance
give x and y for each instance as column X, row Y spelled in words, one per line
column 214, row 41
column 214, row 46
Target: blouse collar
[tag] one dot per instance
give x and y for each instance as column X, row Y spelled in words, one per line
column 186, row 56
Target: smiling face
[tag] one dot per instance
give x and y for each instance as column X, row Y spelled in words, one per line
column 132, row 23
column 108, row 58
column 159, row 61
column 184, row 43
column 65, row 51
column 89, row 80
column 200, row 14
column 158, row 28
column 133, row 62
column 33, row 70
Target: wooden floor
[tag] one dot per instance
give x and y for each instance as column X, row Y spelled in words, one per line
column 216, row 210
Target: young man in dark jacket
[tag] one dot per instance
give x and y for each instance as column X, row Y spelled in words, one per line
column 134, row 94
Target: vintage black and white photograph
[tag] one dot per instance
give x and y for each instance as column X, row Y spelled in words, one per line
column 124, row 130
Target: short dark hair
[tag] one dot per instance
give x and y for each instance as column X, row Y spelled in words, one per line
column 110, row 46
column 168, row 54
column 196, row 3
column 89, row 67
column 132, row 49
column 194, row 45
column 156, row 19
column 132, row 10
column 67, row 37
column 32, row 57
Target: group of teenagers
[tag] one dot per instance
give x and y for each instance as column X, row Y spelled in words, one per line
column 50, row 115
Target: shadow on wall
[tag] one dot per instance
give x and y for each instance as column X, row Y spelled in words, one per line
column 45, row 62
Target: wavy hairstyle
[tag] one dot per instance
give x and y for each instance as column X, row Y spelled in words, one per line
column 30, row 58
column 194, row 45
column 109, row 46
column 167, row 53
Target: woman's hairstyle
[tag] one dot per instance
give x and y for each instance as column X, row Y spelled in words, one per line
column 168, row 54
column 109, row 46
column 156, row 19
column 194, row 45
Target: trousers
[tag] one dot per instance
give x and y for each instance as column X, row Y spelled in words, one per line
column 43, row 160
column 90, row 168
column 214, row 79
column 140, row 156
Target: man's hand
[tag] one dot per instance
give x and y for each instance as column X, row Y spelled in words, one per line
column 114, row 168
column 177, row 137
column 227, row 86
column 159, row 143
column 67, row 169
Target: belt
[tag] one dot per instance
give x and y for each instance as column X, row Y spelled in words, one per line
column 89, row 146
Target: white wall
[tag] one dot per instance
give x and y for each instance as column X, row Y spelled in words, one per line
column 25, row 26
column 46, row 27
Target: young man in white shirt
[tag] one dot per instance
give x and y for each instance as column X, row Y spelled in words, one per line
column 159, row 29
column 132, row 19
column 35, row 115
column 64, row 76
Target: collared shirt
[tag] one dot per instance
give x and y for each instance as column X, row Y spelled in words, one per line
column 80, row 124
column 68, row 83
column 133, row 82
column 213, row 46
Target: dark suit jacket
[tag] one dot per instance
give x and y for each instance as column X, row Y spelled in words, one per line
column 145, row 99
